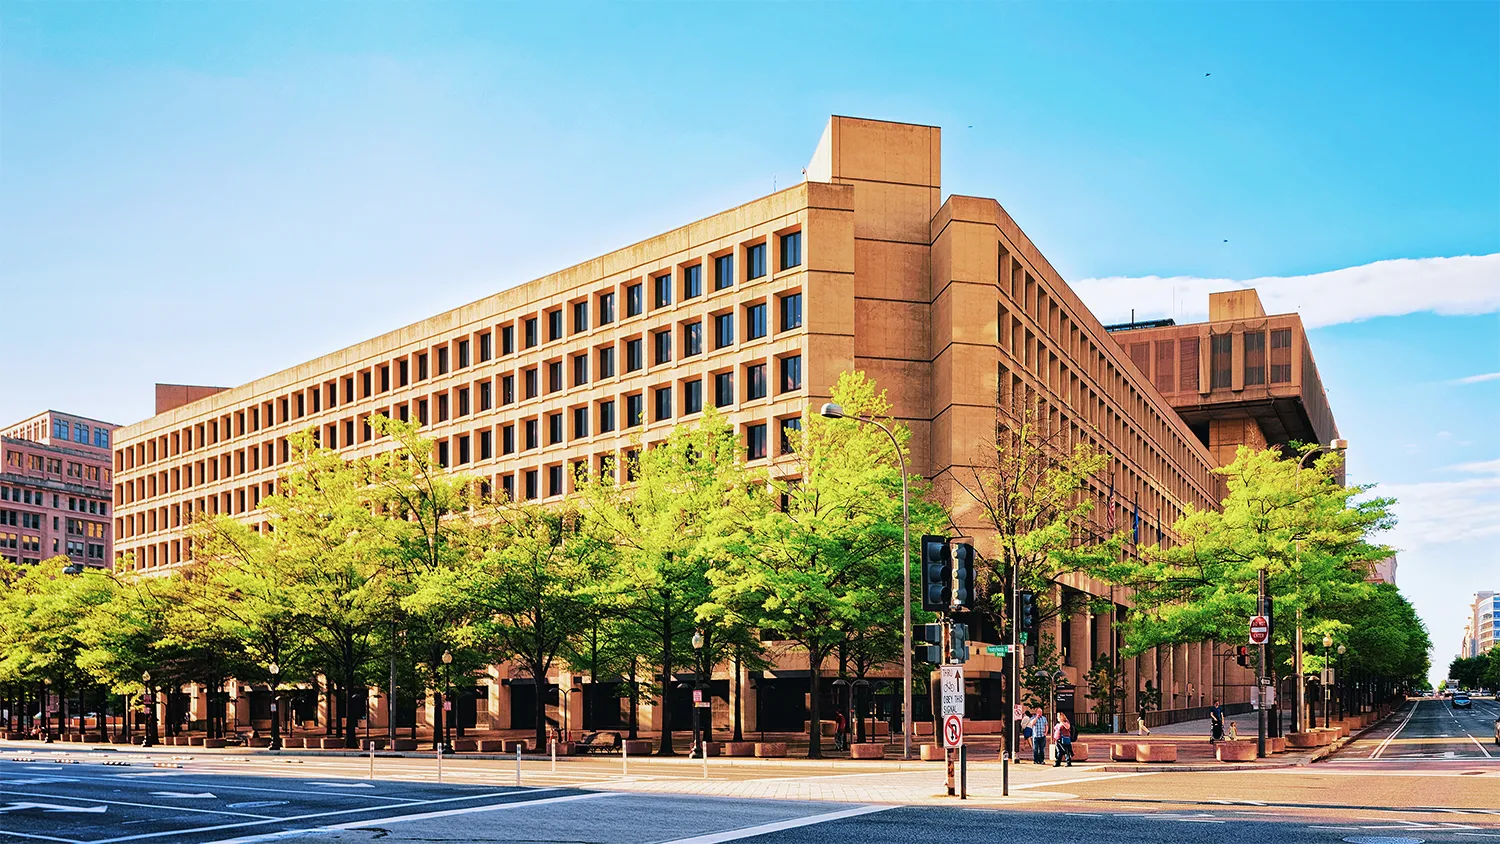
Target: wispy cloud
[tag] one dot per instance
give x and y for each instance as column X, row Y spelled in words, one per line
column 1460, row 285
column 1443, row 512
column 1483, row 467
column 1477, row 379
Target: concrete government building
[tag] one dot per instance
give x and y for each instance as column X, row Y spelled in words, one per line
column 866, row 265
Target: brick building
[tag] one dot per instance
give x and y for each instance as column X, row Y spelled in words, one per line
column 56, row 489
column 945, row 302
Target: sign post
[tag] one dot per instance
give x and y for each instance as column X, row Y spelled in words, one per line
column 1260, row 629
column 951, row 701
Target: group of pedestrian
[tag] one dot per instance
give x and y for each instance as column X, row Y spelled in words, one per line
column 1034, row 729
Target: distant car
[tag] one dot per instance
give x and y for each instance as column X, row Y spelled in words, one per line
column 1461, row 700
column 1497, row 731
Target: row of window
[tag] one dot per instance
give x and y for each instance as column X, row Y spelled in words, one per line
column 37, row 498
column 81, row 432
column 464, row 351
column 21, row 541
column 52, row 466
column 14, row 518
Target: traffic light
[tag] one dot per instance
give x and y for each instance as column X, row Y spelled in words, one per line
column 963, row 577
column 937, row 575
column 960, row 643
column 1028, row 612
column 1242, row 655
column 929, row 647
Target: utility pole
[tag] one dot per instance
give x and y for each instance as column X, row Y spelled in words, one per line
column 1260, row 674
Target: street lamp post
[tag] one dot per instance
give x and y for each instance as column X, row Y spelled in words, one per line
column 833, row 411
column 150, row 739
column 447, row 700
column 1340, row 683
column 865, row 684
column 275, row 706
column 1327, row 693
column 698, row 685
column 843, row 705
column 1300, row 716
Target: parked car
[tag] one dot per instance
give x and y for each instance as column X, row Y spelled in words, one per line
column 1497, row 731
column 1461, row 700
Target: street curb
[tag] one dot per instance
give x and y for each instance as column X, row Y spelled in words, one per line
column 1219, row 768
column 1328, row 751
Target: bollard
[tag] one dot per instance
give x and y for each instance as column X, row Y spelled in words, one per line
column 440, row 761
column 552, row 746
column 518, row 765
column 372, row 761
column 703, row 751
column 624, row 759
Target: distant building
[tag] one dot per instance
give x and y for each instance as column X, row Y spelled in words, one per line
column 1384, row 571
column 56, row 489
column 1480, row 630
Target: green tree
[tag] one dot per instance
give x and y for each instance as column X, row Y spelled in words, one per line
column 1469, row 671
column 827, row 562
column 663, row 523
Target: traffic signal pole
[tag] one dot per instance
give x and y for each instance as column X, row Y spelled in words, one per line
column 1260, row 673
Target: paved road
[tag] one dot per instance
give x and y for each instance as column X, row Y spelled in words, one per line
column 1429, row 734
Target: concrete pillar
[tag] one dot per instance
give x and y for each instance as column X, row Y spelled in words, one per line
column 498, row 702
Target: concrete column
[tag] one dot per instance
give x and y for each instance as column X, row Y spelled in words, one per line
column 498, row 701
column 1194, row 687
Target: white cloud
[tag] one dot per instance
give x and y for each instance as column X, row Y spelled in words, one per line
column 1467, row 284
column 1483, row 467
column 1477, row 379
column 1442, row 512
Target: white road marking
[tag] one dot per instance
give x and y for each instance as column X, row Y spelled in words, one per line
column 1396, row 732
column 442, row 813
column 350, row 784
column 51, row 808
column 185, row 795
column 777, row 826
column 130, row 803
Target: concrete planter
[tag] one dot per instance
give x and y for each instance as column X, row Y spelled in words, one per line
column 196, row 741
column 180, row 741
column 1156, row 752
column 1080, row 752
column 739, row 748
column 1235, row 751
column 375, row 743
column 258, row 741
column 213, row 742
column 866, row 751
column 293, row 741
column 404, row 744
column 1122, row 753
column 465, row 745
column 331, row 743
column 713, row 748
column 1301, row 741
column 642, row 747
column 932, row 753
column 770, row 749
column 491, row 746
column 1276, row 744
column 512, row 745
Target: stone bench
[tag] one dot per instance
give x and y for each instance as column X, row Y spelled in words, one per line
column 1122, row 753
column 331, row 742
column 770, row 749
column 1302, row 741
column 1156, row 752
column 375, row 743
column 196, row 741
column 866, row 751
column 258, row 741
column 1275, row 744
column 465, row 745
column 1080, row 752
column 213, row 742
column 932, row 753
column 713, row 748
column 489, row 745
column 739, row 748
column 404, row 744
column 1235, row 751
column 293, row 741
column 642, row 747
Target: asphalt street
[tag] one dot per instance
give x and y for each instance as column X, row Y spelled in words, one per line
column 1426, row 734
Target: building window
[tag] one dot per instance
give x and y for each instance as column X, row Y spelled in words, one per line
column 486, row 445
column 663, row 397
column 663, row 285
column 789, row 427
column 442, row 407
column 463, row 353
column 530, row 332
column 486, row 347
column 442, row 367
column 607, row 362
column 724, row 330
column 692, row 396
column 755, row 441
column 554, row 376
column 508, row 439
column 580, row 369
column 635, row 410
column 662, row 343
column 508, row 340
column 463, row 401
column 59, row 429
column 755, row 261
column 635, row 300
column 635, row 357
column 554, row 325
column 554, row 428
column 555, row 480
column 1281, row 356
column 755, row 381
column 724, row 389
column 723, row 271
column 791, row 311
column 101, row 438
column 580, row 317
column 791, row 373
column 532, row 434
column 531, row 484
column 507, row 389
column 791, row 250
column 442, row 458
column 531, row 382
column 606, row 308
column 606, row 416
column 508, row 484
column 755, row 321
column 486, row 394
column 1255, row 358
column 463, row 450
column 692, row 281
column 692, row 339
column 580, row 422
column 80, row 433
column 1220, row 357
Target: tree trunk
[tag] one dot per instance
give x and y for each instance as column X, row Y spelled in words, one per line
column 634, row 702
column 351, row 726
column 666, row 748
column 814, row 709
column 541, row 708
column 739, row 705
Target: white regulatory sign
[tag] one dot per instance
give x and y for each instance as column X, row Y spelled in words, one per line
column 952, row 690
column 953, row 731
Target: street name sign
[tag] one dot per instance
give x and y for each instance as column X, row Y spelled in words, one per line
column 953, row 731
column 1260, row 629
column 998, row 650
column 952, row 690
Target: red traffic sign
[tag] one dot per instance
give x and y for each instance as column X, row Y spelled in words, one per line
column 697, row 695
column 1260, row 629
column 953, row 731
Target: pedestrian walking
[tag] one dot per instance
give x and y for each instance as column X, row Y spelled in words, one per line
column 1063, row 736
column 1039, row 738
column 1027, row 721
column 1216, row 723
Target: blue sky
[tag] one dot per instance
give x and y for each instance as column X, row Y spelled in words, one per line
column 207, row 192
